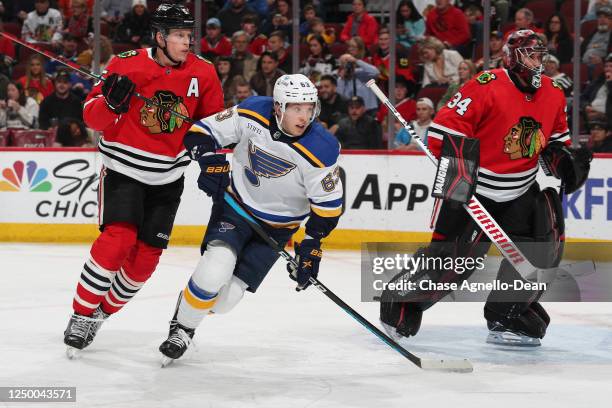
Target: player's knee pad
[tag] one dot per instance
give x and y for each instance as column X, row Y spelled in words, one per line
column 112, row 247
column 230, row 295
column 216, row 266
column 142, row 262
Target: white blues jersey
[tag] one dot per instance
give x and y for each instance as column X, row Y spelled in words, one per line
column 279, row 179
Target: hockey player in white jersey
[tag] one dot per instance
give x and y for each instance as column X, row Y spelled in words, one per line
column 284, row 170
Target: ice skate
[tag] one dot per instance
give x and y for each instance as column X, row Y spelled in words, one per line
column 81, row 331
column 500, row 336
column 178, row 341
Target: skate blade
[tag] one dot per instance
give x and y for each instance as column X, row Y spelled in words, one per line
column 73, row 353
column 450, row 366
column 512, row 339
column 166, row 361
column 391, row 332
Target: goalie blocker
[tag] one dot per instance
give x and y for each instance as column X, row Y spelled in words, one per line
column 457, row 169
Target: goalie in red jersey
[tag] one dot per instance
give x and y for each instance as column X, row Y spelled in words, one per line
column 144, row 159
column 498, row 127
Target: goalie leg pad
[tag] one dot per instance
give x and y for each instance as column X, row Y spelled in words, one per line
column 457, row 169
column 548, row 229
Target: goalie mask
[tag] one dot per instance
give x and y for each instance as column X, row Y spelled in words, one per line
column 524, row 54
column 296, row 88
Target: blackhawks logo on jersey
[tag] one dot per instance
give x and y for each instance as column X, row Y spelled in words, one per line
column 485, row 77
column 525, row 139
column 128, row 54
column 160, row 120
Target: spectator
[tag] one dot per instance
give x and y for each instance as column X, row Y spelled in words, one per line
column 318, row 28
column 245, row 63
column 597, row 96
column 261, row 7
column 18, row 111
column 61, row 104
column 405, row 105
column 359, row 130
column 360, row 23
column 448, row 24
column 226, row 74
column 267, row 73
column 598, row 45
column 496, row 46
column 466, row 70
column 68, row 51
column 551, row 69
column 215, row 44
column 352, row 77
column 136, row 26
column 357, row 48
column 257, row 42
column 600, row 140
column 380, row 59
column 71, row 132
column 4, row 81
column 7, row 54
column 523, row 20
column 276, row 44
column 410, row 24
column 440, row 65
column 80, row 23
column 309, row 15
column 424, row 115
column 113, row 11
column 242, row 89
column 35, row 82
column 283, row 7
column 278, row 22
column 319, row 61
column 231, row 17
column 85, row 58
column 66, row 9
column 333, row 106
column 560, row 42
column 593, row 6
column 44, row 24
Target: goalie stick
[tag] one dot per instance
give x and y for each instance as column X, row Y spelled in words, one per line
column 475, row 209
column 83, row 71
column 460, row 366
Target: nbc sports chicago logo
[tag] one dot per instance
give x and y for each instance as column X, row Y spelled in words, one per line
column 25, row 177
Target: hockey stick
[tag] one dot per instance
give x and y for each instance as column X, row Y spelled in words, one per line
column 461, row 366
column 84, row 71
column 475, row 209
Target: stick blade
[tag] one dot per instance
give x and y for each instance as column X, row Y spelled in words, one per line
column 452, row 366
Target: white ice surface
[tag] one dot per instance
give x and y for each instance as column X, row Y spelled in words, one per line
column 280, row 348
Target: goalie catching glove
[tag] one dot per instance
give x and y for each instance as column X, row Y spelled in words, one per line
column 308, row 257
column 570, row 165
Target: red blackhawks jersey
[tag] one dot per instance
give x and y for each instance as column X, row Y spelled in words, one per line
column 146, row 143
column 513, row 128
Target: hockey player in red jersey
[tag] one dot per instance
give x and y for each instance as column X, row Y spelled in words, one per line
column 144, row 159
column 518, row 118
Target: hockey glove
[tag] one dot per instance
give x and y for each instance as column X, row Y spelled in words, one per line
column 118, row 91
column 570, row 165
column 214, row 175
column 308, row 256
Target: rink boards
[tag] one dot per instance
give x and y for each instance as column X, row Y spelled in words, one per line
column 50, row 195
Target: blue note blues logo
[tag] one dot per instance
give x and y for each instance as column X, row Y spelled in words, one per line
column 264, row 164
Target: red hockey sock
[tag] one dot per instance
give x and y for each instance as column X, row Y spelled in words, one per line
column 108, row 253
column 138, row 267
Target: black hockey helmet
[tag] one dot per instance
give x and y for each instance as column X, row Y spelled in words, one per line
column 169, row 16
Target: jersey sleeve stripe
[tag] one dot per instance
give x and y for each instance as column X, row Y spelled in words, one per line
column 304, row 152
column 247, row 113
column 443, row 130
column 326, row 213
column 329, row 204
column 201, row 127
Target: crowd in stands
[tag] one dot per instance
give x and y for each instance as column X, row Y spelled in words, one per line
column 438, row 48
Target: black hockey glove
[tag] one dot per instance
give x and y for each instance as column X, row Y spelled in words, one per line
column 308, row 256
column 118, row 91
column 214, row 175
column 570, row 165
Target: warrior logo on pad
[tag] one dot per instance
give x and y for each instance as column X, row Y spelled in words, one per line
column 264, row 164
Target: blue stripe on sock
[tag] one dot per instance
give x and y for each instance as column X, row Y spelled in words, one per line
column 200, row 293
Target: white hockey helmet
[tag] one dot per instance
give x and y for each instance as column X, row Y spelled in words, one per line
column 296, row 88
